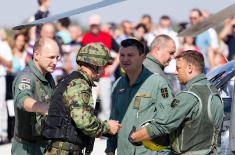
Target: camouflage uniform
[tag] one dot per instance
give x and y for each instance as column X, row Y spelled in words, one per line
column 78, row 101
column 27, row 135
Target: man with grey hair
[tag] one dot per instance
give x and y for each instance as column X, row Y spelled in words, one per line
column 162, row 50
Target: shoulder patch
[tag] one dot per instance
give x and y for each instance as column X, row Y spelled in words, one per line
column 85, row 97
column 174, row 103
column 24, row 86
column 25, row 80
column 164, row 92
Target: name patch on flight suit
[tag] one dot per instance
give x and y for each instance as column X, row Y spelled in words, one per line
column 164, row 92
column 174, row 103
column 138, row 99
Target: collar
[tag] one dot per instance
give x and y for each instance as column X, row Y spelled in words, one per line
column 142, row 77
column 151, row 58
column 36, row 71
column 90, row 81
column 196, row 79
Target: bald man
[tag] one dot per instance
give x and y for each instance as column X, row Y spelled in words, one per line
column 48, row 30
column 32, row 90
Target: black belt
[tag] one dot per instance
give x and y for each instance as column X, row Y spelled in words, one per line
column 21, row 140
column 66, row 146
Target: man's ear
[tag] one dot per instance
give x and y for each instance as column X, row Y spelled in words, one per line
column 156, row 48
column 190, row 68
column 36, row 55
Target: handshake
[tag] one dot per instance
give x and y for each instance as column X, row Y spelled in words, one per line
column 114, row 126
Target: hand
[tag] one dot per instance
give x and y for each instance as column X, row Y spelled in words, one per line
column 114, row 126
column 110, row 153
column 132, row 140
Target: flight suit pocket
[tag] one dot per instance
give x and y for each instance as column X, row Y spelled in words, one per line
column 143, row 102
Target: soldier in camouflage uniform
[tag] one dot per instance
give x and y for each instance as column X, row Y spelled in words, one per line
column 32, row 90
column 71, row 120
column 194, row 117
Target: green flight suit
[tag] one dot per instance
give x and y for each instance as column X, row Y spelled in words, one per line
column 190, row 112
column 154, row 65
column 27, row 136
column 133, row 105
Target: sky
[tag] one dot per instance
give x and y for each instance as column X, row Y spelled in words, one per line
column 15, row 12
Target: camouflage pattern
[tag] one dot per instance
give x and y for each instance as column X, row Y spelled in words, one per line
column 55, row 151
column 78, row 99
column 30, row 83
column 95, row 54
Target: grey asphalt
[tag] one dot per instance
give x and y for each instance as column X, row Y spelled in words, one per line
column 99, row 148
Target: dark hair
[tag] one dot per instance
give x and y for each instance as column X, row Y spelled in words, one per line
column 143, row 26
column 198, row 11
column 193, row 57
column 147, row 16
column 165, row 17
column 40, row 2
column 65, row 22
column 134, row 43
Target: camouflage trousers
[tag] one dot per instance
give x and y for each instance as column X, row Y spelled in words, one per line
column 56, row 151
column 63, row 148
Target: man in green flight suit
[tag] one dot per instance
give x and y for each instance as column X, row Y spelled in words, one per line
column 71, row 121
column 136, row 97
column 162, row 50
column 194, row 117
column 32, row 89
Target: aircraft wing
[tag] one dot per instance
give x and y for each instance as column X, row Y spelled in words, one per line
column 68, row 13
column 210, row 22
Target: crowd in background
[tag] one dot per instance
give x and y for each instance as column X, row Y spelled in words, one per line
column 217, row 47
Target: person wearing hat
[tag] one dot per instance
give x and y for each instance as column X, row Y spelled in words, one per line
column 136, row 98
column 103, row 89
column 71, row 121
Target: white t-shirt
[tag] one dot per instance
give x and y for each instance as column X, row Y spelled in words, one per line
column 5, row 52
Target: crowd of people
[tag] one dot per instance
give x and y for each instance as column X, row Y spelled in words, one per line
column 160, row 45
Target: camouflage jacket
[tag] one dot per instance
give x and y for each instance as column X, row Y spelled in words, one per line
column 78, row 98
